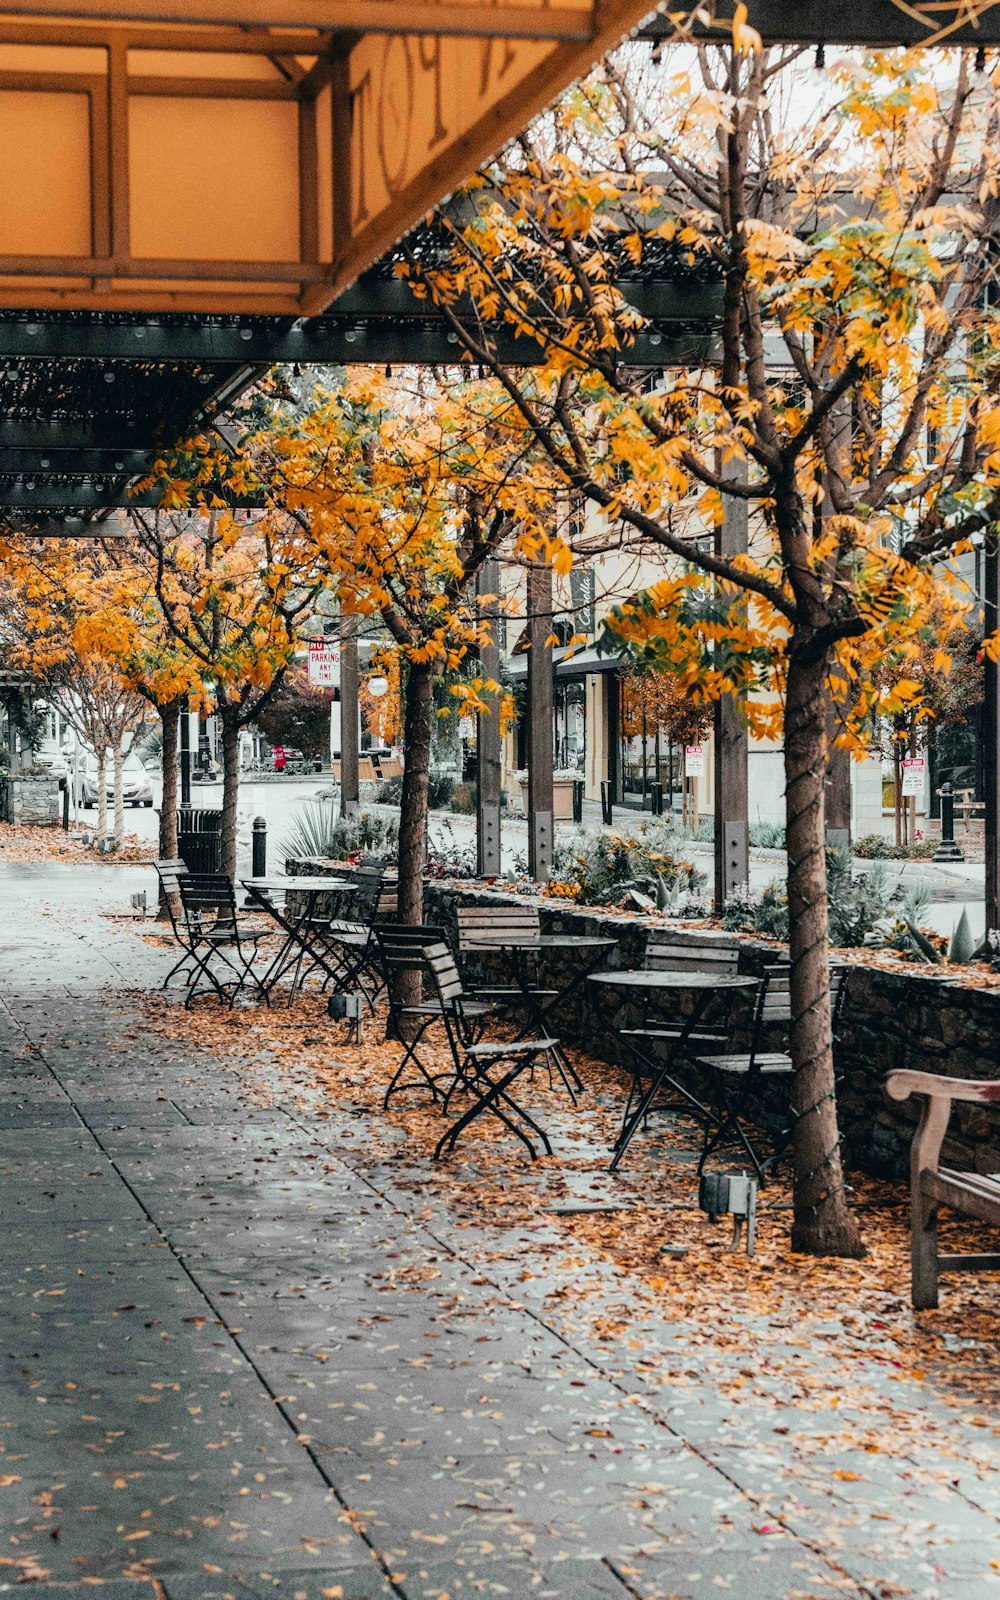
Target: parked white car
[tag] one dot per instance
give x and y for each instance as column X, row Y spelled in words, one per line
column 136, row 787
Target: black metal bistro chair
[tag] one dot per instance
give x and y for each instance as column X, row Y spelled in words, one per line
column 349, row 939
column 485, row 1070
column 658, row 1032
column 168, row 871
column 412, row 1010
column 222, row 945
column 741, row 1078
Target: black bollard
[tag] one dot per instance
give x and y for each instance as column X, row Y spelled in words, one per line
column 259, row 864
column 578, row 799
column 64, row 786
column 606, row 804
column 947, row 850
column 656, row 799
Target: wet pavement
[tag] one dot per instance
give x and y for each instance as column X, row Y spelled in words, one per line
column 238, row 1362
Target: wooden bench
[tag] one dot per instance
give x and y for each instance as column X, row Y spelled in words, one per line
column 933, row 1186
column 968, row 806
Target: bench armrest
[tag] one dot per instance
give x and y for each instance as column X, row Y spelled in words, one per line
column 900, row 1085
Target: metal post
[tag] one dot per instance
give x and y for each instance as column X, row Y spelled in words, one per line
column 185, row 754
column 732, row 798
column 540, row 799
column 349, row 701
column 259, row 859
column 488, row 741
column 948, row 850
column 991, row 733
column 64, row 783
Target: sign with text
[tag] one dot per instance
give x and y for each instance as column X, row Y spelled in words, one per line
column 425, row 109
column 914, row 768
column 324, row 662
column 694, row 761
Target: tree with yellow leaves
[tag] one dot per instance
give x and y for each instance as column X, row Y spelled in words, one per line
column 851, row 411
column 229, row 593
column 403, row 496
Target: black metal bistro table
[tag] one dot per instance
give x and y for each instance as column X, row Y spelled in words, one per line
column 298, row 947
column 704, row 986
column 519, row 949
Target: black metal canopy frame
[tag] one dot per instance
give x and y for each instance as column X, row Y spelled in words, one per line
column 88, row 399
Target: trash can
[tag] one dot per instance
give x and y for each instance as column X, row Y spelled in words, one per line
column 199, row 840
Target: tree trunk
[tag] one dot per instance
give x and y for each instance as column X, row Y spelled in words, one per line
column 102, row 799
column 822, row 1223
column 230, row 788
column 170, row 722
column 417, row 726
column 118, row 761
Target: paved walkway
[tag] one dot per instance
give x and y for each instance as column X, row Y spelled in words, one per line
column 238, row 1361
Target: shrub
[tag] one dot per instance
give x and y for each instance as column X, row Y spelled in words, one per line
column 317, row 830
column 463, row 799
column 440, row 787
column 767, row 835
column 856, row 905
column 447, row 858
column 876, row 847
column 602, row 869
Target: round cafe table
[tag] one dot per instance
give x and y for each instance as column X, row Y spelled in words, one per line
column 520, row 949
column 704, row 986
column 302, row 942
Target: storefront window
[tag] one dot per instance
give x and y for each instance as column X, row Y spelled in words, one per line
column 570, row 710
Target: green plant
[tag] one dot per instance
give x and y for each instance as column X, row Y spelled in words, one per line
column 765, row 913
column 856, row 904
column 317, row 831
column 447, row 858
column 876, row 847
column 767, row 835
column 604, row 868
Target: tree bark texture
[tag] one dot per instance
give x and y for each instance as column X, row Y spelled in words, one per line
column 118, row 762
column 417, row 724
column 822, row 1223
column 230, row 787
column 102, row 799
column 170, row 724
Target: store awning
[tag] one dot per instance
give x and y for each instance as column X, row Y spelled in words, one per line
column 570, row 663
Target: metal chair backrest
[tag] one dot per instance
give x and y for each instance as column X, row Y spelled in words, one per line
column 665, row 952
column 488, row 927
column 208, row 900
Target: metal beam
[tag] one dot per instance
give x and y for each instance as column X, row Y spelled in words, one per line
column 339, row 341
column 844, row 22
column 72, row 528
column 569, row 23
column 82, row 496
column 105, row 463
column 17, row 433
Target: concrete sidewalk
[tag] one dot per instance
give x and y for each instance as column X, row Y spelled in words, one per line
column 240, row 1359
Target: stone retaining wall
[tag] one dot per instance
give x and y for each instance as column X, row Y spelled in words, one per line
column 30, row 799
column 890, row 1019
